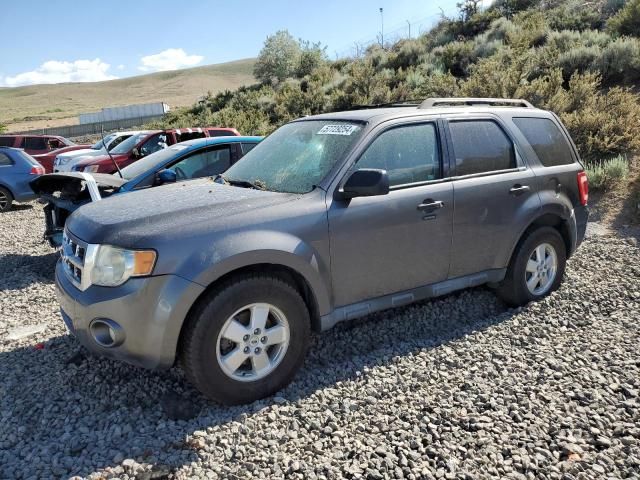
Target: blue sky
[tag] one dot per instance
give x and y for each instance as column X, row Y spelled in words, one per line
column 52, row 41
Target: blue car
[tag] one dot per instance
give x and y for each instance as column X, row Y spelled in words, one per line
column 17, row 169
column 64, row 192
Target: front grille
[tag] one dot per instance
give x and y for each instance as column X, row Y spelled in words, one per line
column 76, row 260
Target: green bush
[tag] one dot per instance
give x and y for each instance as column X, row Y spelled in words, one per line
column 606, row 174
column 627, row 20
column 574, row 15
column 620, row 61
column 578, row 59
column 278, row 58
column 456, row 57
column 604, row 124
column 312, row 56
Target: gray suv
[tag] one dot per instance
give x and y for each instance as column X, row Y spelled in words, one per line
column 331, row 217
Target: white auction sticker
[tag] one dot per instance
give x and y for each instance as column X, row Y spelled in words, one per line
column 338, row 129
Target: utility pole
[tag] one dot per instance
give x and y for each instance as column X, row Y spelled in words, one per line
column 409, row 23
column 382, row 30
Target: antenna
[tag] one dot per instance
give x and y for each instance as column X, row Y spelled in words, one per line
column 109, row 153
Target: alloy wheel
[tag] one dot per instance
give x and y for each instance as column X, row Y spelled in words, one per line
column 541, row 269
column 252, row 342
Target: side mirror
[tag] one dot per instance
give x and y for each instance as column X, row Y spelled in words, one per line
column 366, row 182
column 166, row 176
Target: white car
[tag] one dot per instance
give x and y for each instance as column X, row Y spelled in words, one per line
column 65, row 161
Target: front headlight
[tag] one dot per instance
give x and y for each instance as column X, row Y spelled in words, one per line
column 91, row 168
column 113, row 266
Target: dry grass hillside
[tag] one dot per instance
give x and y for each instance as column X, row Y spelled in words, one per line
column 38, row 106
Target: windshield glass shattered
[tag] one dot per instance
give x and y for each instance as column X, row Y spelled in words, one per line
column 296, row 157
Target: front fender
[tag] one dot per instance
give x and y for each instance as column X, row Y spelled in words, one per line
column 244, row 249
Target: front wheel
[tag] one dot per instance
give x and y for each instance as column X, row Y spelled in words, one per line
column 6, row 200
column 247, row 340
column 536, row 269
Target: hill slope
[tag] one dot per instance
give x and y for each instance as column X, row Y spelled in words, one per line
column 37, row 106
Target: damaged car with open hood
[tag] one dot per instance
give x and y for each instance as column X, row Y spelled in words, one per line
column 64, row 192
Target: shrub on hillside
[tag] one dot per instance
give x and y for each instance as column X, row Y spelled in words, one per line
column 605, row 124
column 456, row 57
column 606, row 174
column 578, row 59
column 627, row 20
column 620, row 61
column 574, row 15
column 509, row 8
column 407, row 53
column 312, row 56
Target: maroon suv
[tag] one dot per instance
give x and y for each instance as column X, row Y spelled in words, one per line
column 37, row 144
column 145, row 143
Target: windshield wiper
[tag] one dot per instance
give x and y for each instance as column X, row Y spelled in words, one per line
column 240, row 183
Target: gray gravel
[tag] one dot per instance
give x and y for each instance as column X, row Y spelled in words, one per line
column 460, row 387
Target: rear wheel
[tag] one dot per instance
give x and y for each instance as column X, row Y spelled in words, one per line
column 536, row 269
column 6, row 200
column 247, row 340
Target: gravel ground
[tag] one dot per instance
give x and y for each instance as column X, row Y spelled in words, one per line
column 460, row 387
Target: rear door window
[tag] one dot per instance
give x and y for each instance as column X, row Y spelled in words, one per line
column 409, row 154
column 7, row 141
column 5, row 160
column 35, row 143
column 546, row 139
column 481, row 146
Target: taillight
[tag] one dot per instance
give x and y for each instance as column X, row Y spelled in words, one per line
column 583, row 187
column 37, row 170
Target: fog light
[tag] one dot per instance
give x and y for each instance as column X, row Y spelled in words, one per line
column 106, row 333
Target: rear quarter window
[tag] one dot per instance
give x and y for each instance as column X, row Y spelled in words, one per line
column 546, row 139
column 221, row 133
column 5, row 160
column 247, row 147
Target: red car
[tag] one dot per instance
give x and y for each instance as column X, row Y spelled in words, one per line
column 47, row 159
column 36, row 144
column 146, row 143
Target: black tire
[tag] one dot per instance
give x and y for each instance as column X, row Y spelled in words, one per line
column 200, row 338
column 6, row 200
column 513, row 289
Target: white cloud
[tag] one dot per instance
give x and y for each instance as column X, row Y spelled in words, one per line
column 120, row 67
column 170, row 59
column 54, row 71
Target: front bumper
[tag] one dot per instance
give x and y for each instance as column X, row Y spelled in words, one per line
column 149, row 310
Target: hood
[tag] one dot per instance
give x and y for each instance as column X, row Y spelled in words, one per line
column 55, row 182
column 101, row 157
column 177, row 209
column 78, row 153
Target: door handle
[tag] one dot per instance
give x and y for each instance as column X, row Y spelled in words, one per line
column 518, row 189
column 430, row 205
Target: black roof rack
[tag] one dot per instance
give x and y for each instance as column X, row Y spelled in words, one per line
column 470, row 101
column 405, row 103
